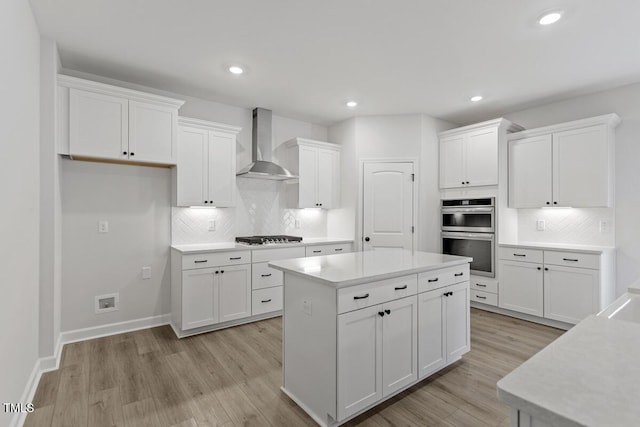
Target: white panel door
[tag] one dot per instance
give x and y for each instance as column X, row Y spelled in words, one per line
column 388, row 206
column 98, row 125
column 581, row 167
column 235, row 292
column 521, row 287
column 222, row 169
column 359, row 360
column 431, row 332
column 152, row 133
column 328, row 177
column 192, row 167
column 481, row 157
column 308, row 181
column 570, row 294
column 457, row 320
column 530, row 172
column 399, row 344
column 199, row 298
column 452, row 162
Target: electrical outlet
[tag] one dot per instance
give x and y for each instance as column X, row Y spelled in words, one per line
column 107, row 303
column 540, row 225
column 297, row 224
column 103, row 226
column 212, row 225
column 604, row 226
column 306, row 307
column 146, row 272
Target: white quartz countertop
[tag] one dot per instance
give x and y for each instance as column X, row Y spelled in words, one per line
column 233, row 246
column 589, row 249
column 590, row 376
column 358, row 267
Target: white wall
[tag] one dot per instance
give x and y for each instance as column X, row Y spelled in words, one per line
column 341, row 222
column 625, row 101
column 20, row 176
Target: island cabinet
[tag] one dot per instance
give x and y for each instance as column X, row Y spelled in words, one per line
column 356, row 334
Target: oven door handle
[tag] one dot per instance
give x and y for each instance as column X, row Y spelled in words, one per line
column 472, row 236
column 467, row 210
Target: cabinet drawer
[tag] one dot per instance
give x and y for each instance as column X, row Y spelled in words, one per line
column 572, row 259
column 262, row 255
column 483, row 285
column 319, row 250
column 263, row 276
column 215, row 259
column 266, row 300
column 435, row 279
column 368, row 294
column 483, row 297
column 520, row 254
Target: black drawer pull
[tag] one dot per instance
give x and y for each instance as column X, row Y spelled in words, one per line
column 337, row 249
column 235, row 258
column 480, row 297
column 458, row 274
column 433, row 280
column 481, row 285
column 381, row 313
column 387, row 311
column 317, row 252
column 198, row 261
column 266, row 275
column 570, row 259
column 399, row 288
column 365, row 296
column 266, row 300
column 519, row 255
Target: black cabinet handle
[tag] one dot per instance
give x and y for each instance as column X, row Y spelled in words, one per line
column 448, row 294
column 317, row 252
column 365, row 296
column 366, row 239
column 381, row 313
column 432, row 280
column 132, row 153
column 337, row 249
column 199, row 261
column 467, row 182
column 266, row 300
column 548, row 203
column 235, row 258
column 458, row 274
column 462, row 183
column 206, row 201
column 399, row 288
column 266, row 275
column 217, row 272
column 481, row 285
column 519, row 255
column 570, row 259
column 320, row 204
column 387, row 311
column 555, row 203
column 124, row 152
column 539, row 268
column 480, row 297
column 546, row 269
column 211, row 201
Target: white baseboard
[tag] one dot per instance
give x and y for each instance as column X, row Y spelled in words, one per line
column 522, row 316
column 27, row 395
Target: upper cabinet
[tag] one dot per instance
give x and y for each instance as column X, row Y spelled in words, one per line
column 568, row 164
column 469, row 155
column 206, row 170
column 113, row 124
column 318, row 166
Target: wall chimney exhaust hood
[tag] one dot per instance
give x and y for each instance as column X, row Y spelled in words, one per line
column 262, row 167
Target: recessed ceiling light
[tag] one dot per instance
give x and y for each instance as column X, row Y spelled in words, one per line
column 550, row 18
column 235, row 69
column 352, row 104
column 476, row 98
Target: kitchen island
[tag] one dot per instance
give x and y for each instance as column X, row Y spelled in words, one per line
column 358, row 328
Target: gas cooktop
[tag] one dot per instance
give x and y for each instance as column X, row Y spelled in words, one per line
column 268, row 240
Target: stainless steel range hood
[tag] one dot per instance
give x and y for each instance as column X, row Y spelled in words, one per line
column 262, row 167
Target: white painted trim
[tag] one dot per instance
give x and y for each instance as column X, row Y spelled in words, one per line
column 612, row 120
column 522, row 316
column 203, row 124
column 218, row 326
column 501, row 122
column 114, row 328
column 27, row 395
column 312, row 143
column 304, row 407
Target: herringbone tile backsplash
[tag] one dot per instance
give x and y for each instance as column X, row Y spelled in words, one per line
column 261, row 208
column 567, row 225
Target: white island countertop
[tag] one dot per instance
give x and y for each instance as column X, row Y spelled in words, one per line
column 359, row 267
column 590, row 376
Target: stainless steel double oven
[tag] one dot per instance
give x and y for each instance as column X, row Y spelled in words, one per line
column 468, row 229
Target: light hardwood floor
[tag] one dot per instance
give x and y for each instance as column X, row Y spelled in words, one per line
column 232, row 378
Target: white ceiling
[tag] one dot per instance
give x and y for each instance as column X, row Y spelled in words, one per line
column 306, row 58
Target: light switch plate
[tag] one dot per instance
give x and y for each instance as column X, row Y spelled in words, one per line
column 540, row 225
column 306, row 307
column 297, row 223
column 103, row 226
column 212, row 225
column 146, row 272
column 604, row 226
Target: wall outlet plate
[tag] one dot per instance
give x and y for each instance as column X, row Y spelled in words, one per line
column 297, row 223
column 103, row 226
column 604, row 226
column 212, row 225
column 146, row 272
column 540, row 225
column 306, row 307
column 107, row 303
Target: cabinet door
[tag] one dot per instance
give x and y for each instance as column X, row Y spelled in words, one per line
column 431, row 330
column 308, row 181
column 359, row 360
column 199, row 298
column 530, row 172
column 399, row 344
column 192, row 167
column 235, row 292
column 222, row 169
column 570, row 294
column 451, row 162
column 152, row 133
column 98, row 125
column 481, row 157
column 581, row 167
column 328, row 170
column 521, row 287
column 457, row 320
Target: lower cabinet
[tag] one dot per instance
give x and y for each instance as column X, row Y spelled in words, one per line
column 521, row 287
column 443, row 325
column 377, row 348
column 570, row 294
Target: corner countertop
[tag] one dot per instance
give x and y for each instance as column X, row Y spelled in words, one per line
column 358, row 267
column 589, row 376
column 587, row 249
column 197, row 248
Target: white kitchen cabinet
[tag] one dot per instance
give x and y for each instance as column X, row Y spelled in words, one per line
column 568, row 164
column 377, row 348
column 206, row 170
column 199, row 296
column 570, row 293
column 234, row 295
column 317, row 165
column 329, row 249
column 469, row 155
column 107, row 123
column 521, row 287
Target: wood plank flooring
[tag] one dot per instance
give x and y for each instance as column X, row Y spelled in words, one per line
column 232, row 378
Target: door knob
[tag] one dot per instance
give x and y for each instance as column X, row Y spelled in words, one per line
column 366, row 239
